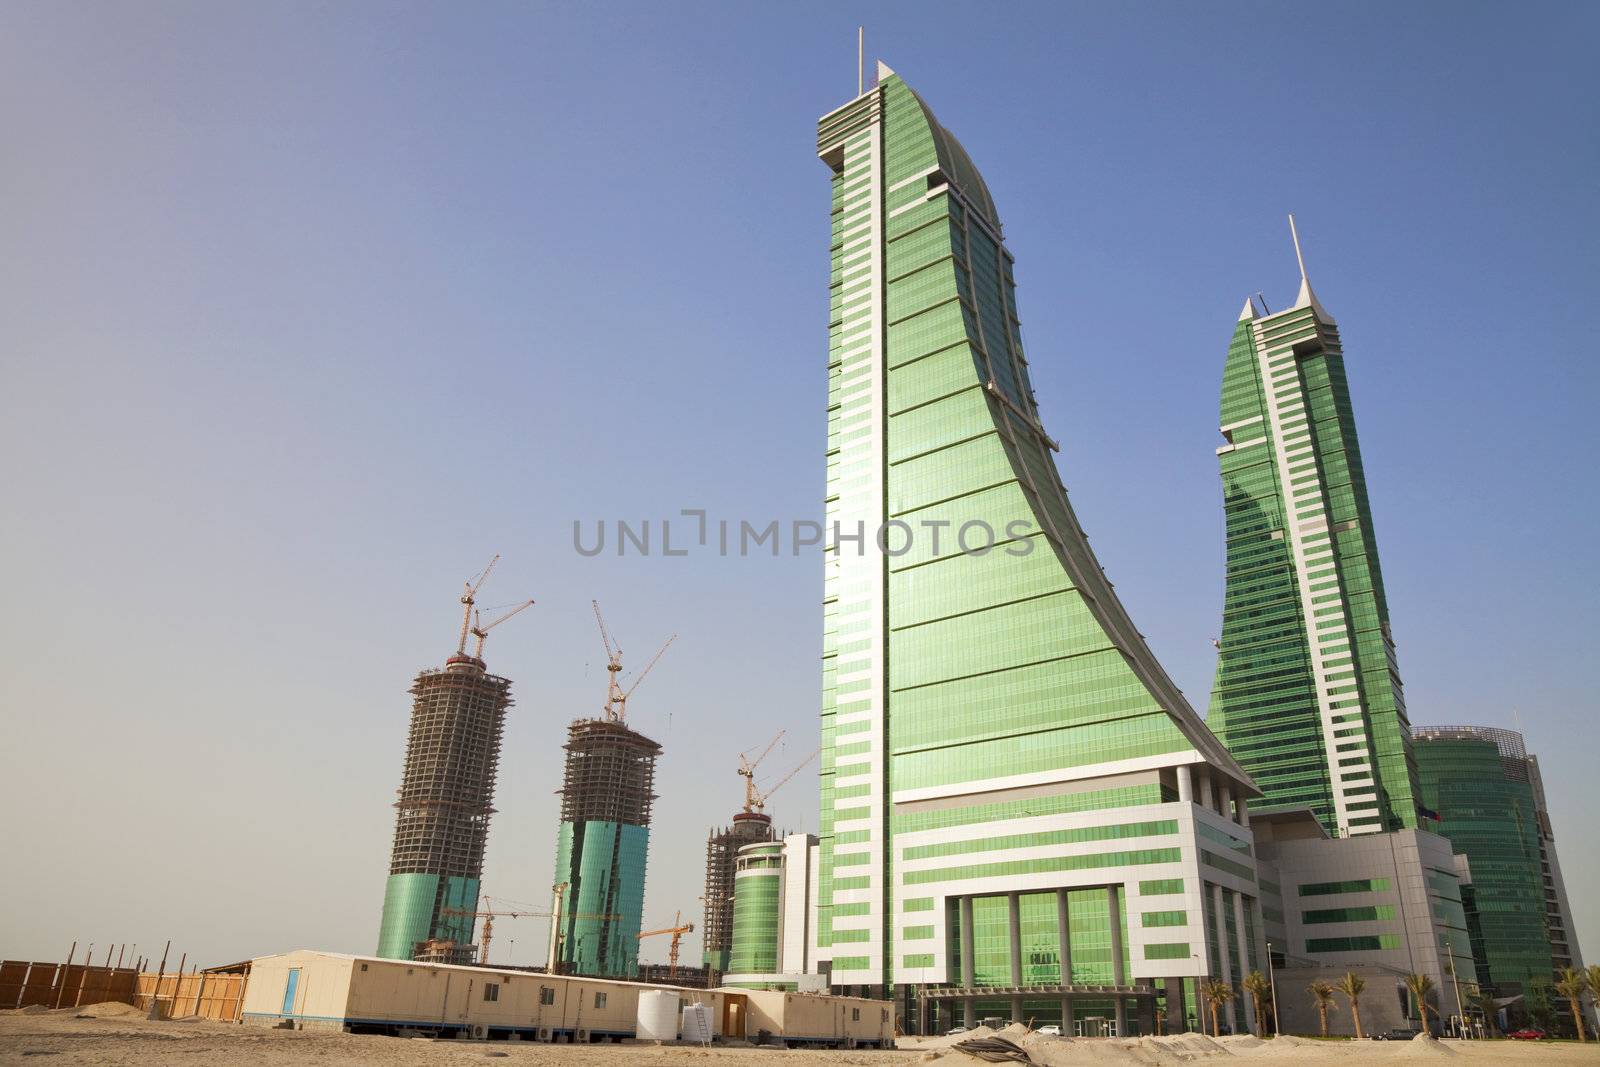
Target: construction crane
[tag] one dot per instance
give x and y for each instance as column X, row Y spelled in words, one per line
column 747, row 771
column 489, row 915
column 677, row 930
column 755, row 801
column 616, row 707
column 480, row 630
column 469, row 597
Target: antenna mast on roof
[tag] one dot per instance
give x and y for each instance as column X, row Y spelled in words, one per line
column 861, row 60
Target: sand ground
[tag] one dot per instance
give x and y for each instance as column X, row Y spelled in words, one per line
column 108, row 1034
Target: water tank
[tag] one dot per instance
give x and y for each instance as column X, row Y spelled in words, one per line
column 697, row 1024
column 658, row 1015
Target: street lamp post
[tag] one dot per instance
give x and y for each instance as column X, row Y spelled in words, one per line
column 1455, row 977
column 1272, row 976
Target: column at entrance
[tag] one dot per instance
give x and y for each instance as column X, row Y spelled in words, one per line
column 1064, row 936
column 968, row 947
column 1248, row 1001
column 1014, row 928
column 1118, row 975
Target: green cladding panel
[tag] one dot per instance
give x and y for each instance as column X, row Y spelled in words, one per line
column 603, row 866
column 756, row 899
column 414, row 910
column 1307, row 695
column 407, row 914
column 1487, row 808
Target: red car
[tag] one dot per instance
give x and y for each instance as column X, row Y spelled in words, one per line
column 1529, row 1034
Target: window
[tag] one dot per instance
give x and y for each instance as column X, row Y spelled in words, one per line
column 363, row 966
column 855, row 1015
column 546, row 995
column 491, row 991
column 1363, row 885
column 599, row 1000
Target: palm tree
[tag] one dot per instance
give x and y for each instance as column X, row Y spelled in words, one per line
column 1217, row 993
column 1591, row 977
column 1351, row 985
column 1325, row 1002
column 1256, row 984
column 1573, row 985
column 1421, row 987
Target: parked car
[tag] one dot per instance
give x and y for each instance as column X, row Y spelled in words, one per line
column 1529, row 1033
column 1398, row 1033
column 1050, row 1031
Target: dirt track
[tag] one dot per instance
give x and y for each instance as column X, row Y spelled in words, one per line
column 118, row 1034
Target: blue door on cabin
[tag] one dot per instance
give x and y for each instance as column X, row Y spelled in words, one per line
column 288, row 990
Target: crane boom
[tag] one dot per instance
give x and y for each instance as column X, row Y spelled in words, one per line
column 761, row 799
column 481, row 631
column 653, row 659
column 747, row 771
column 612, row 652
column 469, row 597
column 677, row 930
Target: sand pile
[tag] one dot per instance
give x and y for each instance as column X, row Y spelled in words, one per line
column 956, row 1039
column 1424, row 1045
column 109, row 1009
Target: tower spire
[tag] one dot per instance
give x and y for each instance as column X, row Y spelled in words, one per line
column 1306, row 298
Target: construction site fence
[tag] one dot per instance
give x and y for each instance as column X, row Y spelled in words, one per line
column 56, row 985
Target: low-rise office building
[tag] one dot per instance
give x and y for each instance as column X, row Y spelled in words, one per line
column 1383, row 905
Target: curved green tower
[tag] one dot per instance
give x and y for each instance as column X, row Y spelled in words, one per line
column 1477, row 779
column 1001, row 748
column 1307, row 693
column 757, row 905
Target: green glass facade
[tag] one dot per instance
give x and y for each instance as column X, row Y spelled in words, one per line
column 992, row 721
column 603, row 904
column 414, row 911
column 757, row 900
column 1487, row 808
column 1307, row 693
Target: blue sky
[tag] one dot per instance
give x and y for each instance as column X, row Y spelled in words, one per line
column 309, row 309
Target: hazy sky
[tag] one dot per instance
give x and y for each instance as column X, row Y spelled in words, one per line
column 308, row 309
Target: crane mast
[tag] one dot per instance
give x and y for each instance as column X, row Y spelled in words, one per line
column 469, row 597
column 677, row 930
column 747, row 771
column 616, row 706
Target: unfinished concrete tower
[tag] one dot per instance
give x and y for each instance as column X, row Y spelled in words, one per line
column 606, row 793
column 445, row 800
column 722, row 848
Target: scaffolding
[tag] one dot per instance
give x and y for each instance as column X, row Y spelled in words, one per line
column 610, row 773
column 722, row 848
column 445, row 800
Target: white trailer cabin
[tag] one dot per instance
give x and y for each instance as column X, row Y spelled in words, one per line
column 368, row 995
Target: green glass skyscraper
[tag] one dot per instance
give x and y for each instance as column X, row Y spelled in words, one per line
column 1014, row 793
column 1481, row 781
column 1307, row 692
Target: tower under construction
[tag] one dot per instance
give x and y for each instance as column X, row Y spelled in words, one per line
column 445, row 800
column 750, row 826
column 607, row 789
column 722, row 850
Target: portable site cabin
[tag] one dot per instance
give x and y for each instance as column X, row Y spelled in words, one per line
column 364, row 994
column 811, row 1018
